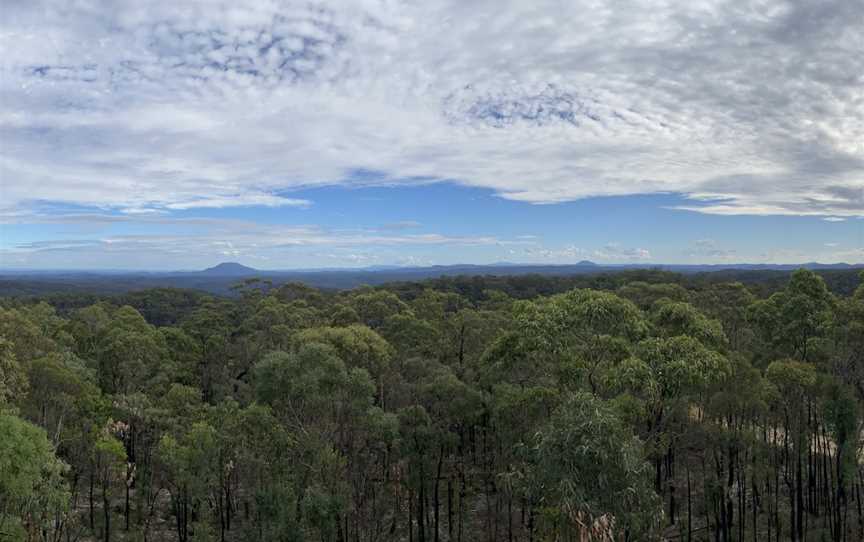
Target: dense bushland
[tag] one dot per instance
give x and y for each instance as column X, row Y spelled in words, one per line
column 644, row 408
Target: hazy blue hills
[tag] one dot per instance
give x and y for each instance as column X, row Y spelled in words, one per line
column 229, row 269
column 220, row 278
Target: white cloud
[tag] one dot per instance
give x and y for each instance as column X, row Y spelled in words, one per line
column 536, row 253
column 852, row 256
column 834, row 219
column 744, row 108
column 239, row 200
column 708, row 250
column 615, row 252
column 401, row 225
column 414, row 261
column 193, row 240
column 353, row 258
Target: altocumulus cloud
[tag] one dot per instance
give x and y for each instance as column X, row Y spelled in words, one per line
column 742, row 107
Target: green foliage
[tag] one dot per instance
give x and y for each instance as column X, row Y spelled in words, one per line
column 191, row 458
column 32, row 485
column 626, row 406
column 843, row 417
column 13, row 380
column 33, row 331
column 313, row 387
column 794, row 379
column 375, row 307
column 356, row 345
column 556, row 321
column 645, row 295
column 586, row 465
column 680, row 365
column 793, row 319
column 679, row 319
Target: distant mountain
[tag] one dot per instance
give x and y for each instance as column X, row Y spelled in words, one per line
column 229, row 269
column 381, row 267
column 220, row 279
column 583, row 263
column 697, row 268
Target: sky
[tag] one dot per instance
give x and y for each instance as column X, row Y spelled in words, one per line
column 162, row 135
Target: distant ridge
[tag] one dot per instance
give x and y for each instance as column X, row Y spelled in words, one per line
column 221, row 278
column 229, row 269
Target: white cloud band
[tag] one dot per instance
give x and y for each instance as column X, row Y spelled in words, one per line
column 753, row 108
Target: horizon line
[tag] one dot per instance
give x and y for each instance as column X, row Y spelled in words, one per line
column 393, row 267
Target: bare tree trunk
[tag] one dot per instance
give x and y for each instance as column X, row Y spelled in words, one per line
column 106, row 509
column 435, row 499
column 450, row 507
column 92, row 519
column 689, row 505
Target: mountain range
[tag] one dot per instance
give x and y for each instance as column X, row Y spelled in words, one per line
column 220, row 278
column 235, row 269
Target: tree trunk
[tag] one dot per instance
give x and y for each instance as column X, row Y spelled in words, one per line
column 106, row 508
column 435, row 499
column 92, row 519
column 421, row 513
column 450, row 507
column 126, row 509
column 410, row 514
column 689, row 505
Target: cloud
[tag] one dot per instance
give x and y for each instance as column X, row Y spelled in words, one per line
column 614, row 252
column 414, row 261
column 572, row 254
column 566, row 254
column 354, row 258
column 743, row 108
column 189, row 241
column 708, row 250
column 834, row 219
column 852, row 256
column 401, row 225
column 239, row 200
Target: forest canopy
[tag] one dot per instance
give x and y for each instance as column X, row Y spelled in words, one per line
column 636, row 407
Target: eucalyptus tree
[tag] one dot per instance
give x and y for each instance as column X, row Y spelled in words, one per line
column 34, row 496
column 587, row 474
column 664, row 378
column 13, row 378
column 109, row 457
column 453, row 408
column 323, row 402
column 33, row 331
column 843, row 417
column 645, row 294
column 728, row 303
column 375, row 306
column 848, row 356
column 446, row 410
column 190, row 460
column 358, row 347
column 577, row 335
column 129, row 353
column 796, row 382
column 794, row 321
column 210, row 325
column 264, row 498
